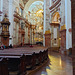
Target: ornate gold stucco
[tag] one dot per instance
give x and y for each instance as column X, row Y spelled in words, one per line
column 63, row 27
column 47, row 32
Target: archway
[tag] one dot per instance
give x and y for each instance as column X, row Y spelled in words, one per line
column 55, row 27
column 34, row 15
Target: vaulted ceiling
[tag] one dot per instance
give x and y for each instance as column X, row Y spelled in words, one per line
column 29, row 3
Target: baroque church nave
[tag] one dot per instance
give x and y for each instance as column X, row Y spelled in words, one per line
column 36, row 25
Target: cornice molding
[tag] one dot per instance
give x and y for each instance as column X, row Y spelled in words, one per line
column 54, row 24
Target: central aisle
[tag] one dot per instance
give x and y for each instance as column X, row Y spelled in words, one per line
column 57, row 65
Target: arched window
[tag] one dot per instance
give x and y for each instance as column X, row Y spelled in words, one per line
column 21, row 11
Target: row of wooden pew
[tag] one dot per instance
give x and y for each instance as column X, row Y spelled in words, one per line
column 19, row 66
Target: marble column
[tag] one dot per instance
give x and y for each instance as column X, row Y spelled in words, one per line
column 31, row 35
column 44, row 27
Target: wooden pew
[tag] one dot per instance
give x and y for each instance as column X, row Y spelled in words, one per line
column 13, row 64
column 23, row 65
column 18, row 66
column 40, row 56
column 33, row 60
column 43, row 56
column 46, row 54
column 3, row 67
column 28, row 62
column 37, row 59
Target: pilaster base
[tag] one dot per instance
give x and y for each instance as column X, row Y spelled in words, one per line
column 47, row 40
column 63, row 42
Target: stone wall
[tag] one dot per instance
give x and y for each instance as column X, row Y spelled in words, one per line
column 6, row 7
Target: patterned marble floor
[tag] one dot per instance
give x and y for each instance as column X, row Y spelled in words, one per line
column 57, row 65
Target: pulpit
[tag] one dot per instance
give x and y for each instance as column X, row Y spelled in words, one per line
column 5, row 31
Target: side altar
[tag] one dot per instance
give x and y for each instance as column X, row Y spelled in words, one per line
column 5, row 31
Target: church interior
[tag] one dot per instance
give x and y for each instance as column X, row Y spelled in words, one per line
column 37, row 37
